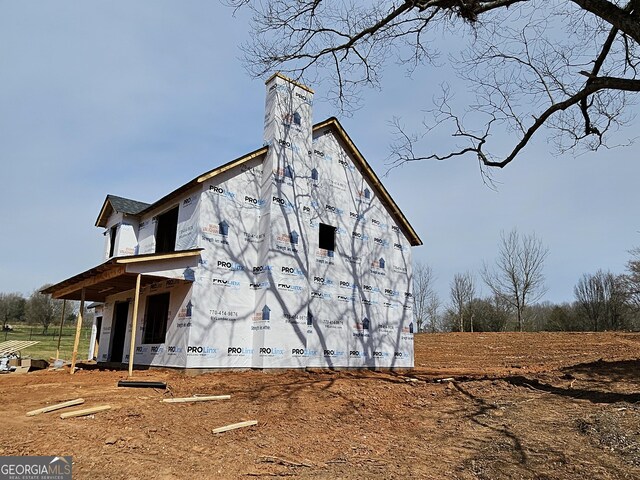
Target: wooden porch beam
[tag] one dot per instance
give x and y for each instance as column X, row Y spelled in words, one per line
column 78, row 329
column 134, row 324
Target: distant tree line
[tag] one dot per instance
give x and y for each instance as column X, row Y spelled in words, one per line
column 602, row 300
column 36, row 309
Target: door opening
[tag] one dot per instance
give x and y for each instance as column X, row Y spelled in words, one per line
column 120, row 317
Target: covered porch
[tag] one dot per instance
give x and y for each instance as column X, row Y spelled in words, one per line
column 124, row 274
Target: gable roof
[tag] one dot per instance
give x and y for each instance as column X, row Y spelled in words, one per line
column 113, row 203
column 372, row 178
column 331, row 123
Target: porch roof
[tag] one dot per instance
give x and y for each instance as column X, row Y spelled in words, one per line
column 119, row 274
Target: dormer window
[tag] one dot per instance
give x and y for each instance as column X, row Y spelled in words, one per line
column 166, row 228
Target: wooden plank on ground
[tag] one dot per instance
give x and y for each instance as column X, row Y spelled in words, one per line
column 233, row 426
column 196, row 399
column 85, row 411
column 57, row 406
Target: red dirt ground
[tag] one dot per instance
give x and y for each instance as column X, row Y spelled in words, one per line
column 525, row 406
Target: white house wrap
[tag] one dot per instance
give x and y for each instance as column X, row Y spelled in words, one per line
column 292, row 256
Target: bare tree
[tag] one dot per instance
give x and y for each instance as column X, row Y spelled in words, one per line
column 591, row 298
column 426, row 299
column 569, row 66
column 602, row 298
column 632, row 279
column 517, row 276
column 461, row 292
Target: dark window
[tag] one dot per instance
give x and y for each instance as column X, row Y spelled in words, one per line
column 327, row 239
column 166, row 231
column 155, row 320
column 112, row 240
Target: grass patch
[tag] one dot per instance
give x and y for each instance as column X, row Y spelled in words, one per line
column 49, row 341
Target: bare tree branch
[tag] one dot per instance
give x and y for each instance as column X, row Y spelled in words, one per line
column 525, row 75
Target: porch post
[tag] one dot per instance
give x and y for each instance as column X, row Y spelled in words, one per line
column 78, row 329
column 64, row 306
column 134, row 324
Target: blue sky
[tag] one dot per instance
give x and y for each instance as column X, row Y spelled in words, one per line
column 136, row 98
